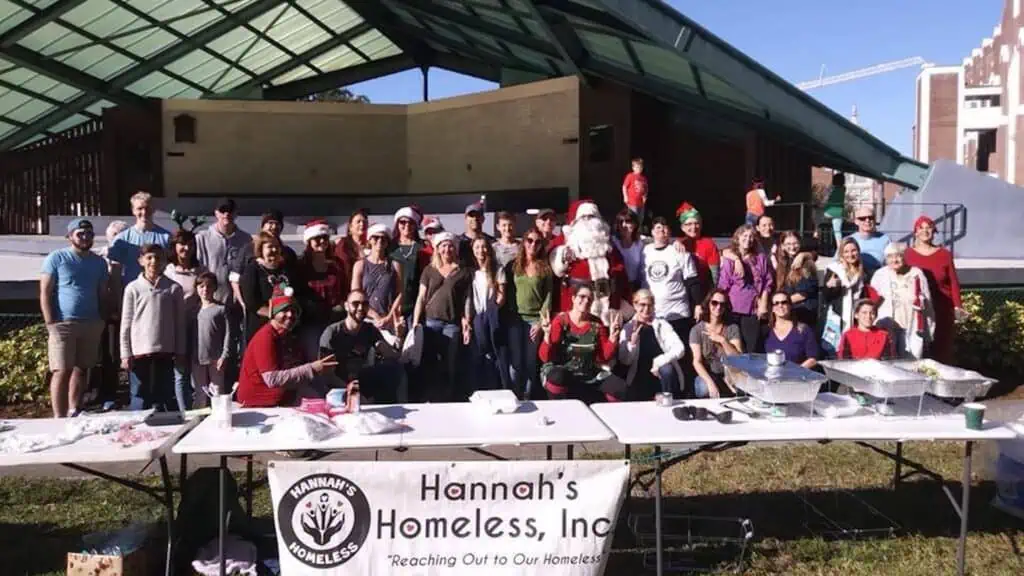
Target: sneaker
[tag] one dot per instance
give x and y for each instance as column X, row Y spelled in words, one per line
column 75, row 414
column 108, row 405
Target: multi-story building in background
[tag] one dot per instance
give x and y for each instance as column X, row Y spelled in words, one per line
column 972, row 113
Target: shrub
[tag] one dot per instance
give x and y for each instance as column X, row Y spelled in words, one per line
column 23, row 366
column 991, row 339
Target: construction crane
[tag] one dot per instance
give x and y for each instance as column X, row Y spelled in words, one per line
column 823, row 80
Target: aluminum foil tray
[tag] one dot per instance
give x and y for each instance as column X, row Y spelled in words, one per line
column 948, row 381
column 786, row 384
column 876, row 378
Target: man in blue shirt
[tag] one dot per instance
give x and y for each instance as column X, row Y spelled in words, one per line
column 126, row 246
column 72, row 294
column 871, row 242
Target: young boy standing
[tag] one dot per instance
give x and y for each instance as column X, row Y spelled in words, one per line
column 213, row 340
column 634, row 189
column 153, row 335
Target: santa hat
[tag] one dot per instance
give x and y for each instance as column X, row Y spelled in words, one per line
column 409, row 212
column 378, row 230
column 282, row 299
column 686, row 212
column 315, row 229
column 442, row 237
column 432, row 223
column 581, row 208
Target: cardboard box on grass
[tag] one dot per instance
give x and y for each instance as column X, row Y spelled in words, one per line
column 137, row 562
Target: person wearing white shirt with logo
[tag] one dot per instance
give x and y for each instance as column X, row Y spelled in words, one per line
column 671, row 276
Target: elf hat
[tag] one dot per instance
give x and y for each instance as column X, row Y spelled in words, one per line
column 283, row 299
column 686, row 213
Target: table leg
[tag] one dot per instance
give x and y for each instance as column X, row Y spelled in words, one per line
column 168, row 498
column 658, row 551
column 550, row 452
column 221, row 521
column 248, row 486
column 182, row 474
column 569, row 451
column 965, row 503
column 628, row 451
column 896, row 475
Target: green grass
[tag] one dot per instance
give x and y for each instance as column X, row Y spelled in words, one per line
column 41, row 520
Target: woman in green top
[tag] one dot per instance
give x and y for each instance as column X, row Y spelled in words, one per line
column 526, row 311
column 411, row 256
column 835, row 206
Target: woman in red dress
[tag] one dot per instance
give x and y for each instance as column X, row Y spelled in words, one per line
column 937, row 264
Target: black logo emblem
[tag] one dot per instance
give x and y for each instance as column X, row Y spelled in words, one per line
column 324, row 520
column 657, row 271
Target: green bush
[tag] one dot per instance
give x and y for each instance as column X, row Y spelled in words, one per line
column 23, row 366
column 991, row 338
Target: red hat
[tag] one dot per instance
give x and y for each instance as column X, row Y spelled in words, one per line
column 583, row 207
column 922, row 220
column 316, row 228
column 432, row 223
column 282, row 299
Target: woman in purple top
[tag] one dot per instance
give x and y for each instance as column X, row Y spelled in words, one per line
column 795, row 339
column 748, row 280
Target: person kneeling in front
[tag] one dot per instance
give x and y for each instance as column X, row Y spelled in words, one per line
column 274, row 371
column 363, row 354
column 649, row 353
column 576, row 349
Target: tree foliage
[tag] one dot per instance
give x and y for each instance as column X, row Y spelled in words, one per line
column 337, row 95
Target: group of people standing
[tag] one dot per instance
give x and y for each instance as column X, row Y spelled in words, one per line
column 418, row 313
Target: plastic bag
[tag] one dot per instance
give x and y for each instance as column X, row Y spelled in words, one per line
column 1009, row 483
column 117, row 543
column 305, row 427
column 412, row 347
column 366, row 423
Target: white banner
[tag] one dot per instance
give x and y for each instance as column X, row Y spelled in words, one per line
column 446, row 518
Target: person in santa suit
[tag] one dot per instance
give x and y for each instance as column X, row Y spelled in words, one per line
column 586, row 255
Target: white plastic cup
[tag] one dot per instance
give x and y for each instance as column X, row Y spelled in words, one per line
column 221, row 410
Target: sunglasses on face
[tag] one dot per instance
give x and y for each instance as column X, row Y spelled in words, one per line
column 84, row 234
column 865, row 218
column 780, row 303
column 376, row 238
column 531, row 240
column 404, row 222
column 716, row 303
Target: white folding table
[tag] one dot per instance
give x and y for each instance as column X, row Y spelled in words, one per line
column 440, row 425
column 645, row 423
column 95, row 449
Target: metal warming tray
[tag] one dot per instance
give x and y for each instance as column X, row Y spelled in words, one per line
column 947, row 381
column 786, row 384
column 876, row 378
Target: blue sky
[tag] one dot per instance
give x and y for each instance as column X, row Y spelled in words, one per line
column 795, row 38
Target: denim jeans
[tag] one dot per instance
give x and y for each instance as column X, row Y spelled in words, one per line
column 183, row 387
column 439, row 369
column 523, row 357
column 151, row 380
column 700, row 387
column 489, row 353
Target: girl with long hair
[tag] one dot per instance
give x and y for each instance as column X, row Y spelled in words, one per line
column 845, row 283
column 797, row 276
column 259, row 278
column 489, row 352
column 324, row 280
column 351, row 247
column 794, row 338
column 409, row 251
column 380, row 278
column 183, row 267
column 748, row 284
column 529, row 290
column 627, row 240
column 443, row 309
column 711, row 339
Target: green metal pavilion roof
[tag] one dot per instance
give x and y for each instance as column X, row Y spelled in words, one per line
column 62, row 61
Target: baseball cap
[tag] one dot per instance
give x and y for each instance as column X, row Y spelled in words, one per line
column 225, row 205
column 79, row 224
column 475, row 207
column 544, row 212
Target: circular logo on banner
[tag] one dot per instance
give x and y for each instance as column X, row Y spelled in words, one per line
column 324, row 520
column 657, row 271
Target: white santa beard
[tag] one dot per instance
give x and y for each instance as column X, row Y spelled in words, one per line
column 589, row 238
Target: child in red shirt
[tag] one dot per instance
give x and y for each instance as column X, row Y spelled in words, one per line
column 634, row 189
column 865, row 340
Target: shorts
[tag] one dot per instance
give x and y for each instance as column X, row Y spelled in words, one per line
column 74, row 344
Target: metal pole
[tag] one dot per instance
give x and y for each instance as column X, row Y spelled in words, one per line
column 425, row 70
column 658, row 542
column 802, row 221
column 165, row 476
column 222, row 529
column 965, row 504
